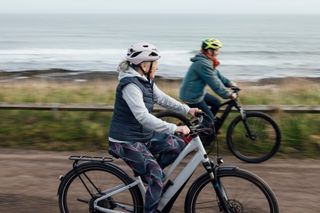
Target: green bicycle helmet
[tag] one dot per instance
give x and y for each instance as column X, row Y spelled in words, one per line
column 211, row 43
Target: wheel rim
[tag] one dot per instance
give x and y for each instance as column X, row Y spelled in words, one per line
column 78, row 199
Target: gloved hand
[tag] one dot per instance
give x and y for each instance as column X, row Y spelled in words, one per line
column 233, row 96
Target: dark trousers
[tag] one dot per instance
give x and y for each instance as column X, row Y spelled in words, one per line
column 209, row 105
column 148, row 160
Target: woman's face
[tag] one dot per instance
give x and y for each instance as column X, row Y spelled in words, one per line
column 154, row 68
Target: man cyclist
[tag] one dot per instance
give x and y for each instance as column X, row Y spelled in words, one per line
column 203, row 71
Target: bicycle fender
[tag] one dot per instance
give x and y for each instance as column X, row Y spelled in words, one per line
column 227, row 168
column 61, row 178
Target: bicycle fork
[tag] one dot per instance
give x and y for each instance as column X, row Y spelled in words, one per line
column 218, row 187
column 245, row 123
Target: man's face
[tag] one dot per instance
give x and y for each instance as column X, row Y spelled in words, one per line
column 213, row 53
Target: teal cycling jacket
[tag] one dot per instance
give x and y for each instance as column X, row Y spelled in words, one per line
column 200, row 74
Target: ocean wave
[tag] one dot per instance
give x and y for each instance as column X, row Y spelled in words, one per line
column 113, row 51
column 174, row 62
column 49, row 51
column 273, row 52
column 266, row 52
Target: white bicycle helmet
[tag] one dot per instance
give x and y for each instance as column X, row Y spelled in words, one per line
column 141, row 52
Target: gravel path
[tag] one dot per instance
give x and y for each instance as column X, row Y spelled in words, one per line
column 29, row 181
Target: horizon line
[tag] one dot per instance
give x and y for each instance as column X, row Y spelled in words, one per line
column 147, row 13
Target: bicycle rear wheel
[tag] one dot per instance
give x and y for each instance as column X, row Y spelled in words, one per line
column 244, row 192
column 262, row 142
column 89, row 181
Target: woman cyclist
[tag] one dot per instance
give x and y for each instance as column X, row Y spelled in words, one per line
column 135, row 134
column 203, row 72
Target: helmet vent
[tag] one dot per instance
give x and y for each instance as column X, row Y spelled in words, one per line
column 130, row 51
column 153, row 54
column 135, row 54
column 145, row 46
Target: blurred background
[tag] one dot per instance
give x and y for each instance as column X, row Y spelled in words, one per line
column 67, row 52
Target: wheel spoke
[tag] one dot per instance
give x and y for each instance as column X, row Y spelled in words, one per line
column 83, row 201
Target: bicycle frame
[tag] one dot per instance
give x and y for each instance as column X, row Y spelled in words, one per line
column 184, row 175
column 175, row 186
column 230, row 104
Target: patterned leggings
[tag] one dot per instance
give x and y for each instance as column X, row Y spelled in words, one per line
column 141, row 158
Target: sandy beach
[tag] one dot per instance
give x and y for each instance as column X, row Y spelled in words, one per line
column 62, row 75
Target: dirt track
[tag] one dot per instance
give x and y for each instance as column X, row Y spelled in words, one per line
column 29, row 181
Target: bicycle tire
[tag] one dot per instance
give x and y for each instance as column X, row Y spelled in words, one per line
column 83, row 200
column 173, row 117
column 265, row 144
column 234, row 182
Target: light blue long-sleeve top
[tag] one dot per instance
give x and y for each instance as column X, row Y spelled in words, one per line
column 200, row 74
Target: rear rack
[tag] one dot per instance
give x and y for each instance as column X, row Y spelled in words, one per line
column 77, row 158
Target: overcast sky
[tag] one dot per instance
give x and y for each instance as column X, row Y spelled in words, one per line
column 162, row 6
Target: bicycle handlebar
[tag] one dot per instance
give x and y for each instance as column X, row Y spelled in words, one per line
column 197, row 124
column 235, row 89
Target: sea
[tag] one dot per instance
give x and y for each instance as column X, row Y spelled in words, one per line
column 255, row 46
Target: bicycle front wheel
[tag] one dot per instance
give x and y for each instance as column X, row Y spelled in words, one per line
column 243, row 192
column 86, row 183
column 255, row 139
column 173, row 117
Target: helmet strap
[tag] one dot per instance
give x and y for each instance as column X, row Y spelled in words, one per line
column 147, row 74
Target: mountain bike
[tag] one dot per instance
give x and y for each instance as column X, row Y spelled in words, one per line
column 96, row 184
column 252, row 137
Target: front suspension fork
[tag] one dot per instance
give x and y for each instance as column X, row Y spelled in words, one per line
column 212, row 170
column 245, row 122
